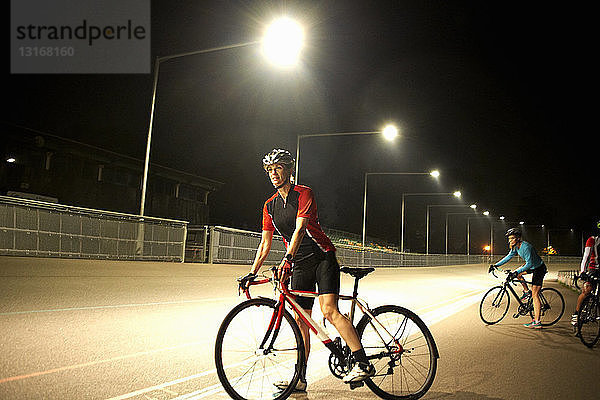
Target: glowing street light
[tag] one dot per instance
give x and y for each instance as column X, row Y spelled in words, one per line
column 11, row 160
column 486, row 213
column 435, row 174
column 389, row 132
column 283, row 41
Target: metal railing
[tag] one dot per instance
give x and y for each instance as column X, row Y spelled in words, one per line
column 35, row 228
column 218, row 244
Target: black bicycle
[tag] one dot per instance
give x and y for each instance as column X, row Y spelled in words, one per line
column 588, row 321
column 496, row 301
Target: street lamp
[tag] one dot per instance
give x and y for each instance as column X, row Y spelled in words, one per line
column 389, row 132
column 427, row 220
column 434, row 174
column 448, row 214
column 469, row 231
column 456, row 194
column 282, row 43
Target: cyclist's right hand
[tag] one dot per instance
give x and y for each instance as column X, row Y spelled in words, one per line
column 492, row 268
column 583, row 275
column 245, row 280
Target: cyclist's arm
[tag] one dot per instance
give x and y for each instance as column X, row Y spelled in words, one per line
column 584, row 260
column 506, row 258
column 297, row 236
column 263, row 250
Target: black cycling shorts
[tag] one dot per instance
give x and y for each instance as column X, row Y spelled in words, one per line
column 324, row 273
column 538, row 275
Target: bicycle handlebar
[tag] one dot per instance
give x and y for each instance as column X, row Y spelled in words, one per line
column 244, row 282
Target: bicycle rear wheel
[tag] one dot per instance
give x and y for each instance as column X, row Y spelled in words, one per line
column 552, row 306
column 247, row 364
column 494, row 305
column 588, row 323
column 405, row 366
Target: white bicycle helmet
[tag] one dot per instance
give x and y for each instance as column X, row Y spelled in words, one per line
column 278, row 156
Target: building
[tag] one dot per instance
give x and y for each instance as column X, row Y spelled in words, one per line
column 46, row 167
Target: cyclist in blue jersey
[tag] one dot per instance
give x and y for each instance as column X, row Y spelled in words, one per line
column 533, row 264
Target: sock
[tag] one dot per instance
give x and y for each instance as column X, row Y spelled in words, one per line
column 360, row 356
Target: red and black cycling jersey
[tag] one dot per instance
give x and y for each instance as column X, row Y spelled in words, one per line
column 281, row 215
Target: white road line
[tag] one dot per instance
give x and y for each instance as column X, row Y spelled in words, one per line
column 114, row 306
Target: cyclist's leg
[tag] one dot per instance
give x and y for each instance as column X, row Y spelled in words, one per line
column 535, row 296
column 536, row 283
column 303, row 278
column 522, row 280
column 329, row 308
column 328, row 280
column 585, row 290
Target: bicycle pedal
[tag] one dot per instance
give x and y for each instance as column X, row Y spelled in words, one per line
column 354, row 385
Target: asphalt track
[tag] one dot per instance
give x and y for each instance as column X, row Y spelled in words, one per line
column 89, row 329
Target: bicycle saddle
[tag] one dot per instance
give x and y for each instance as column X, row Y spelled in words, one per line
column 357, row 272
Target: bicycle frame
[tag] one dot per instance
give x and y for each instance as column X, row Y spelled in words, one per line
column 288, row 296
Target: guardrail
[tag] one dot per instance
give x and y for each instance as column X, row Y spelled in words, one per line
column 36, row 228
column 219, row 244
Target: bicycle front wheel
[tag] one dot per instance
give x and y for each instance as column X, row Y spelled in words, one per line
column 588, row 322
column 552, row 306
column 405, row 365
column 254, row 358
column 494, row 305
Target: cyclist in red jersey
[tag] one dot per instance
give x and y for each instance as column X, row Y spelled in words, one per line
column 589, row 266
column 292, row 211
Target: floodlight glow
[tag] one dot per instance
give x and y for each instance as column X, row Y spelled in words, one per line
column 390, row 132
column 502, row 217
column 522, row 223
column 283, row 41
column 486, row 213
column 457, row 194
column 11, row 160
column 435, row 173
column 473, row 206
column 486, row 247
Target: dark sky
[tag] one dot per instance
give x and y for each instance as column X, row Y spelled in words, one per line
column 497, row 96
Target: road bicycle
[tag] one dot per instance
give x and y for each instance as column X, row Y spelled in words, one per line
column 588, row 320
column 496, row 301
column 259, row 344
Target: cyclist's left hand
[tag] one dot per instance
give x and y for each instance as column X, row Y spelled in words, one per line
column 513, row 275
column 491, row 269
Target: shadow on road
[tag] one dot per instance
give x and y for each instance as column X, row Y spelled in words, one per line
column 461, row 395
column 558, row 336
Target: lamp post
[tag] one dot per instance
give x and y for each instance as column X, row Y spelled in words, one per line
column 447, row 224
column 282, row 43
column 389, row 132
column 469, row 231
column 427, row 219
column 434, row 174
column 457, row 194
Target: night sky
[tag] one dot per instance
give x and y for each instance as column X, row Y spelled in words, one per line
column 498, row 97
